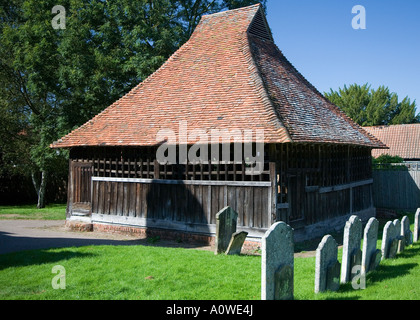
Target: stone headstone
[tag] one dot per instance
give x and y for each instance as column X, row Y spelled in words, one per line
column 375, row 260
column 405, row 230
column 393, row 248
column 351, row 247
column 236, row 243
column 397, row 225
column 389, row 235
column 327, row 267
column 283, row 283
column 399, row 237
column 333, row 276
column 416, row 226
column 370, row 239
column 401, row 244
column 226, row 221
column 277, row 263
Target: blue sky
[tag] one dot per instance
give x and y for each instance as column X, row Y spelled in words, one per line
column 318, row 39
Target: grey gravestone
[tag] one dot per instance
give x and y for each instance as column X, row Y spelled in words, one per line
column 397, row 225
column 375, row 260
column 277, row 263
column 327, row 267
column 400, row 244
column 236, row 243
column 351, row 247
column 370, row 239
column 226, row 221
column 333, row 276
column 389, row 235
column 283, row 283
column 393, row 248
column 405, row 230
column 416, row 226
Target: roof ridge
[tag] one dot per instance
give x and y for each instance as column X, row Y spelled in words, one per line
column 262, row 91
column 392, row 125
column 232, row 11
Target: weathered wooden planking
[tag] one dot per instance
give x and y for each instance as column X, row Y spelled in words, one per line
column 396, row 189
column 197, row 204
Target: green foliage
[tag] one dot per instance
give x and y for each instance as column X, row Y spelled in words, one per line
column 388, row 162
column 370, row 107
column 386, row 158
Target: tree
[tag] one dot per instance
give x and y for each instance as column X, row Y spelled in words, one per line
column 370, row 107
column 54, row 80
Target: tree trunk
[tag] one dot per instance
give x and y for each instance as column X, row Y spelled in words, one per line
column 40, row 188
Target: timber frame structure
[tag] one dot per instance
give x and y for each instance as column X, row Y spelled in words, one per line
column 317, row 162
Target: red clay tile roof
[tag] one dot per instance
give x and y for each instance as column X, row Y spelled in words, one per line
column 229, row 75
column 403, row 140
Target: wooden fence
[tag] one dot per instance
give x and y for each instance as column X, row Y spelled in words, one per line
column 396, row 189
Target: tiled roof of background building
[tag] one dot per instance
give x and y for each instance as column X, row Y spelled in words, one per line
column 403, row 140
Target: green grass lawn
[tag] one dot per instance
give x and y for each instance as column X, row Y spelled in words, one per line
column 50, row 212
column 158, row 273
column 142, row 272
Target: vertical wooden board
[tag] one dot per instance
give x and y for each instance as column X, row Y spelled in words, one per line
column 126, row 202
column 75, row 184
column 114, row 198
column 249, row 206
column 221, row 197
column 173, row 201
column 325, row 206
column 101, row 198
column 208, row 206
column 214, row 203
column 120, row 198
column 231, row 198
column 265, row 208
column 95, row 197
column 180, row 198
column 169, row 208
column 133, row 198
column 138, row 207
column 195, row 203
column 144, row 200
column 199, row 216
column 312, row 205
column 205, row 204
column 160, row 199
column 154, row 201
column 258, row 207
column 185, row 207
column 298, row 194
column 108, row 186
column 240, row 205
column 190, row 204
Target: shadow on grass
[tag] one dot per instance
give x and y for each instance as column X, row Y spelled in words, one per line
column 38, row 257
column 384, row 272
column 389, row 272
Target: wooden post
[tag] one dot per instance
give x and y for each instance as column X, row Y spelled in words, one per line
column 272, row 195
column 156, row 169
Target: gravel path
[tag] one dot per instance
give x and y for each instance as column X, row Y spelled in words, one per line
column 19, row 235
